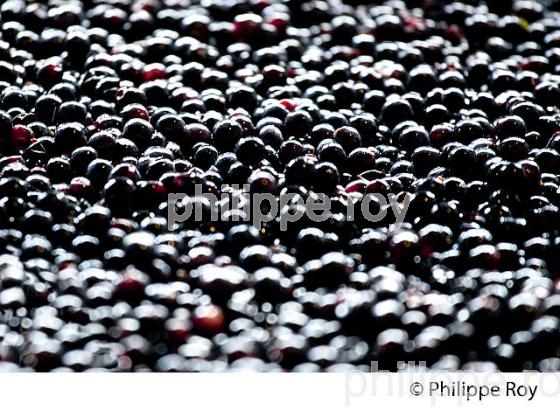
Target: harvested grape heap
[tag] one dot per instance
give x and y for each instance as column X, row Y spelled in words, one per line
column 106, row 107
